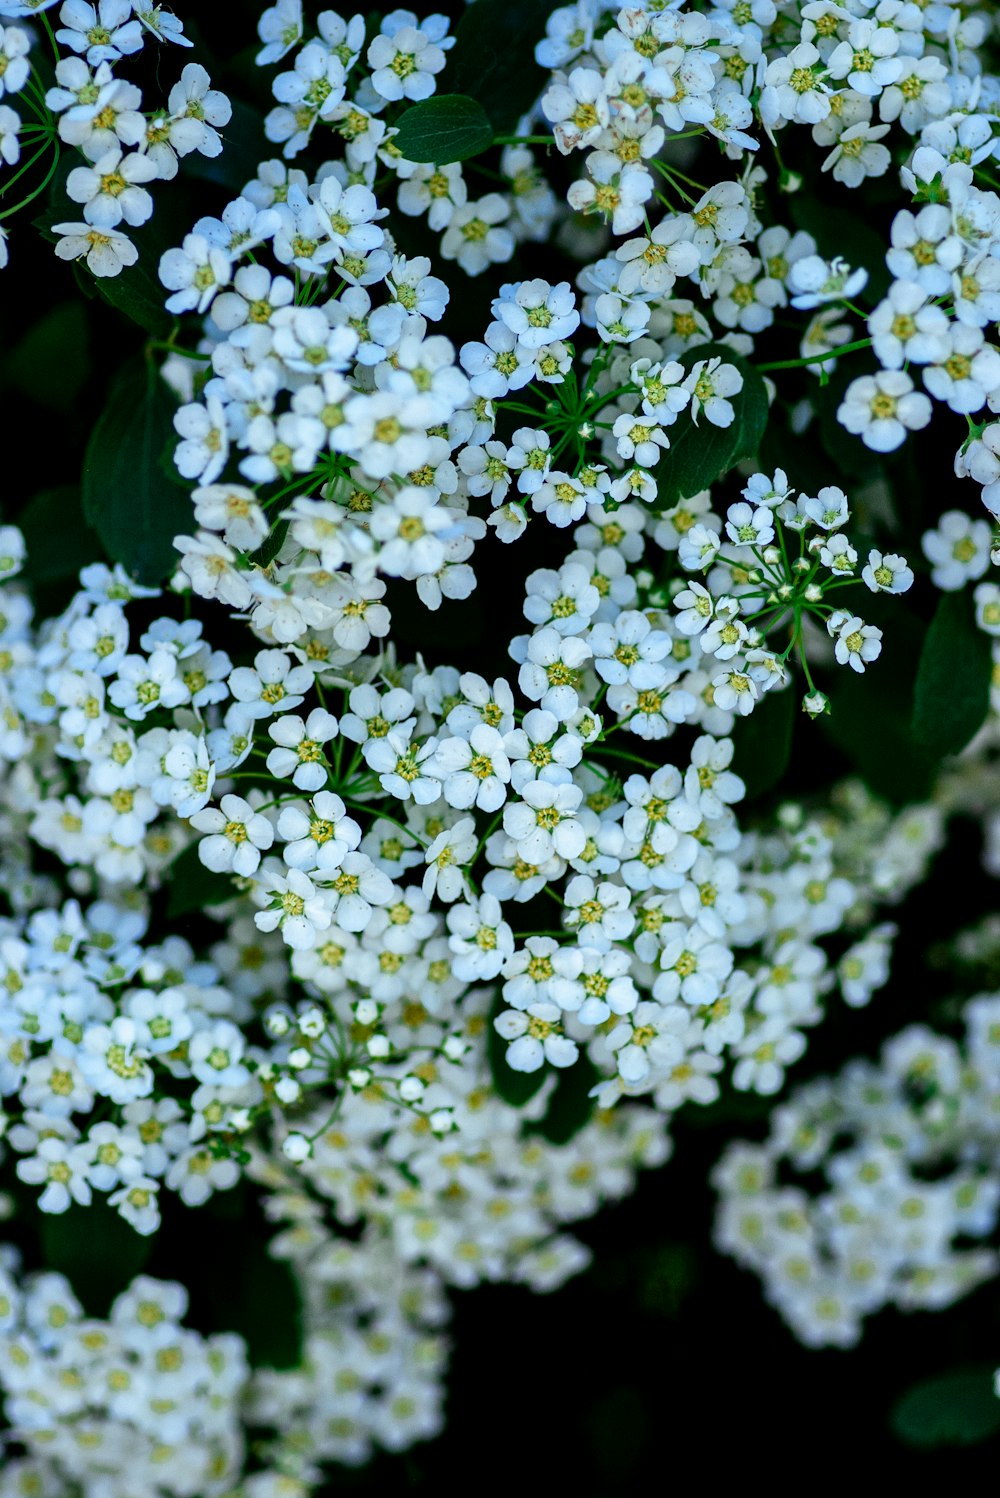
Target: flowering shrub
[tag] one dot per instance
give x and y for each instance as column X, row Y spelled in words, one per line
column 437, row 747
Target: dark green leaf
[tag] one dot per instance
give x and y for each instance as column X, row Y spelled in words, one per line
column 126, row 498
column 762, row 742
column 515, row 1087
column 268, row 550
column 570, row 1105
column 96, row 1249
column 957, row 1409
column 447, row 128
column 494, row 57
column 58, row 539
column 136, row 291
column 51, row 363
column 243, row 146
column 952, row 690
column 191, row 886
column 264, row 1307
column 840, row 232
column 869, row 717
column 699, row 453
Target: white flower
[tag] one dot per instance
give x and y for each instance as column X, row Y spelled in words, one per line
column 405, row 770
column 735, row 691
column 446, row 857
column 236, row 836
column 107, row 250
column 280, row 29
column 319, row 838
column 473, row 771
column 867, row 58
column 711, row 383
column 356, row 890
column 103, row 32
column 195, row 109
column 906, row 326
column 272, row 680
column 403, row 59
column 474, row 236
column 194, row 273
column 62, row 1168
column 535, row 1036
column 111, row 189
column 856, row 643
column 551, row 671
column 815, row 281
column 113, row 1059
column 887, row 574
column 481, row 940
column 881, row 408
column 858, row 154
column 296, row 907
column 142, row 685
column 969, row 375
column 958, row 550
column 544, row 823
column 300, row 748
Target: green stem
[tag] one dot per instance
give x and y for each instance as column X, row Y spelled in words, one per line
column 844, row 348
column 42, row 185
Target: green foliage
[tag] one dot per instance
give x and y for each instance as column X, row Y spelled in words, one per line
column 52, row 361
column 58, row 539
column 494, row 58
column 842, row 233
column 449, row 127
column 699, row 452
column 570, row 1106
column 762, row 742
column 244, row 147
column 257, row 1296
column 191, row 886
column 515, row 1087
column 96, row 1249
column 952, row 689
column 137, row 293
column 126, row 496
column 955, row 1409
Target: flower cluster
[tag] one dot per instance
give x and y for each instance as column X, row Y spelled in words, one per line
column 907, row 1151
column 459, row 942
column 135, row 1401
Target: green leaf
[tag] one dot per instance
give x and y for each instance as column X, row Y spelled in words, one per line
column 126, row 497
column 956, row 1409
column 244, row 146
column 699, row 453
column 570, row 1106
column 762, row 742
column 952, row 691
column 840, row 232
column 869, row 719
column 96, row 1249
column 51, row 363
column 493, row 58
column 449, row 127
column 515, row 1087
column 136, row 291
column 259, row 1299
column 269, row 548
column 58, row 539
column 191, row 886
